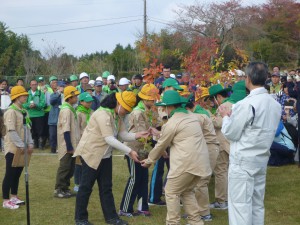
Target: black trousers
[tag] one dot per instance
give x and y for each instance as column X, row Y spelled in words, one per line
column 65, row 172
column 136, row 188
column 46, row 126
column 11, row 178
column 156, row 184
column 103, row 175
column 37, row 127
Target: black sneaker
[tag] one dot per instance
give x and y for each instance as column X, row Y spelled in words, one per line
column 207, row 218
column 83, row 222
column 160, row 203
column 69, row 193
column 117, row 221
column 58, row 193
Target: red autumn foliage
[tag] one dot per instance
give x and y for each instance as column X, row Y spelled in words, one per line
column 198, row 62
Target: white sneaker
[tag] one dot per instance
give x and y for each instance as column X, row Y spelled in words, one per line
column 9, row 205
column 17, row 201
column 76, row 188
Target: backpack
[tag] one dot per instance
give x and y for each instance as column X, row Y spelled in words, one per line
column 293, row 132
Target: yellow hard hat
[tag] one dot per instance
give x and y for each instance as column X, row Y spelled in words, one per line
column 70, row 91
column 126, row 99
column 185, row 90
column 17, row 91
column 149, row 92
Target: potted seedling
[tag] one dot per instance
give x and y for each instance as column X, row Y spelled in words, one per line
column 143, row 153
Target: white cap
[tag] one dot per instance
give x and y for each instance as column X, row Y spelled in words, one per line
column 111, row 77
column 240, row 73
column 82, row 75
column 92, row 82
column 172, row 76
column 123, row 81
column 99, row 78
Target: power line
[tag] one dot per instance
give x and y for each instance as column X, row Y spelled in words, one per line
column 72, row 22
column 72, row 4
column 163, row 20
column 82, row 28
column 156, row 21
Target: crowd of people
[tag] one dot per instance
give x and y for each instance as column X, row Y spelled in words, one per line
column 232, row 131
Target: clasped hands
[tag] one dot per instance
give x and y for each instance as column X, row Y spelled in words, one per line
column 224, row 111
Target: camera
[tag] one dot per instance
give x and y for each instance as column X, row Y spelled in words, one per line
column 289, row 103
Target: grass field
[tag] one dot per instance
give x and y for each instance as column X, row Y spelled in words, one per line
column 282, row 199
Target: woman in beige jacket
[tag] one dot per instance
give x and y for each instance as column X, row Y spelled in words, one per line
column 95, row 149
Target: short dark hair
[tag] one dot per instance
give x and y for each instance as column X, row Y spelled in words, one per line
column 277, row 67
column 110, row 101
column 224, row 94
column 33, row 80
column 3, row 80
column 167, row 66
column 190, row 105
column 20, row 79
column 257, row 73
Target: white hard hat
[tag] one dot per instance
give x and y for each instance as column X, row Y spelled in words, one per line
column 82, row 75
column 92, row 82
column 99, row 78
column 240, row 73
column 123, row 81
column 172, row 76
column 111, row 77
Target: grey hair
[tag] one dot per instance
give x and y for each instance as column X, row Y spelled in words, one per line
column 257, row 73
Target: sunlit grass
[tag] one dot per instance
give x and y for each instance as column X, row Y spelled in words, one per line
column 282, row 197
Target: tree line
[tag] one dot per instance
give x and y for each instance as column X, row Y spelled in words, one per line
column 203, row 38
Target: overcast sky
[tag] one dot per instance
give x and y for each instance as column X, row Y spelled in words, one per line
column 112, row 21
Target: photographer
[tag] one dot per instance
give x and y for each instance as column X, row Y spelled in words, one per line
column 285, row 101
column 111, row 85
column 289, row 118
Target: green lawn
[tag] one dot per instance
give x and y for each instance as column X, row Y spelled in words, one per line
column 282, row 199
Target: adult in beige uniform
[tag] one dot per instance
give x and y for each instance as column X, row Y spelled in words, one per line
column 189, row 160
column 13, row 142
column 221, row 169
column 201, row 190
column 67, row 140
column 157, row 183
column 95, row 149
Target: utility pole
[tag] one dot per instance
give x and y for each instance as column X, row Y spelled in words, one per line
column 145, row 20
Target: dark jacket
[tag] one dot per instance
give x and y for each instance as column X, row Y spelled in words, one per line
column 55, row 102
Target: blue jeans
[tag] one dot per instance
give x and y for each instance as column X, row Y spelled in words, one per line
column 53, row 136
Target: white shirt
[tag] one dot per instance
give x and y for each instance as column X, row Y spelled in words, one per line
column 251, row 128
